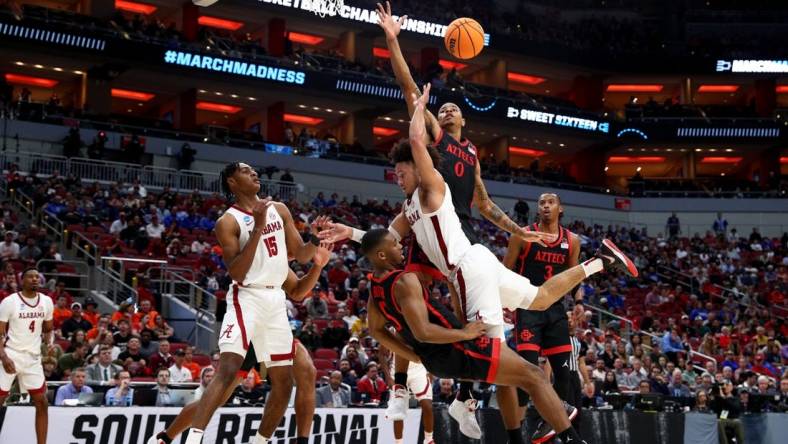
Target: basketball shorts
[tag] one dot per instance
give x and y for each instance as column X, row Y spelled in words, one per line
column 475, row 360
column 545, row 332
column 29, row 371
column 251, row 361
column 419, row 382
column 258, row 317
column 485, row 287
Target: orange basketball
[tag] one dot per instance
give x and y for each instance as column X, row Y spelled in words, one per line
column 464, row 38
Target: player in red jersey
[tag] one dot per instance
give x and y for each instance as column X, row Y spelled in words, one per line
column 25, row 317
column 544, row 331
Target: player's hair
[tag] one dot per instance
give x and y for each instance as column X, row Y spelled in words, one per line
column 24, row 272
column 226, row 173
column 372, row 240
column 402, row 152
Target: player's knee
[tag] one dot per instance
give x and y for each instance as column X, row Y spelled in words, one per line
column 532, row 377
column 305, row 375
column 39, row 402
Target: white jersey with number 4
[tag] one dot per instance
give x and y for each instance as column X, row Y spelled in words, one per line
column 269, row 266
column 25, row 318
column 439, row 234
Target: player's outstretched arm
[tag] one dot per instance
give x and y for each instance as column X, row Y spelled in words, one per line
column 377, row 328
column 513, row 251
column 409, row 294
column 430, row 178
column 334, row 232
column 297, row 289
column 303, row 252
column 391, row 28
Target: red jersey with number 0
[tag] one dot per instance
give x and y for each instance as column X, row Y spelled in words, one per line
column 458, row 168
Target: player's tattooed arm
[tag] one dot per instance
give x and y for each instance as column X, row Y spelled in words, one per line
column 377, row 328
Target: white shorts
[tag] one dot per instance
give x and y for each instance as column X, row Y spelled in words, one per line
column 29, row 371
column 485, row 287
column 419, row 382
column 257, row 316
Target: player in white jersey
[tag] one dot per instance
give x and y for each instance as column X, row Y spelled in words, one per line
column 473, row 270
column 25, row 317
column 256, row 236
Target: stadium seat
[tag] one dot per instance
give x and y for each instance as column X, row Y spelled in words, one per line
column 320, row 374
column 202, row 360
column 324, row 364
column 175, row 346
column 326, row 353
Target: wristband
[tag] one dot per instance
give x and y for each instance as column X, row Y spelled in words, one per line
column 357, row 235
column 314, row 240
column 395, row 233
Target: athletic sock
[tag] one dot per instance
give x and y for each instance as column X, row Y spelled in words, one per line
column 401, row 378
column 195, row 436
column 592, row 266
column 570, row 435
column 302, row 440
column 163, row 436
column 464, row 393
column 260, row 439
column 515, row 436
column 427, row 437
column 399, row 441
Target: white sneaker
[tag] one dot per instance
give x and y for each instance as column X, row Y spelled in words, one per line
column 398, row 404
column 154, row 440
column 465, row 414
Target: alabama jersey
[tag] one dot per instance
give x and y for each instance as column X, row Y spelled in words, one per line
column 25, row 318
column 269, row 266
column 439, row 234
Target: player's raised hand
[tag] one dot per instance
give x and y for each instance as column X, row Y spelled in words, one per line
column 386, row 21
column 323, row 254
column 335, row 232
column 8, row 365
column 260, row 212
column 537, row 237
column 320, row 223
column 474, row 329
column 420, row 102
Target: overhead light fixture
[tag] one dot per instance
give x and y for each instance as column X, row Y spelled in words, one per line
column 636, row 159
column 303, row 38
column 450, row 64
column 252, row 99
column 19, row 63
column 58, row 69
column 218, row 107
column 132, row 95
column 302, row 106
column 234, row 96
column 382, row 53
column 783, row 159
column 19, row 79
column 138, row 8
column 781, row 89
column 524, row 78
column 725, row 160
column 526, row 151
column 304, row 120
column 342, row 112
column 220, row 23
column 718, row 88
column 631, row 87
column 79, row 73
column 383, row 131
column 39, row 66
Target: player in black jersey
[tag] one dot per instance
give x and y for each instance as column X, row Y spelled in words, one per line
column 544, row 331
column 461, row 170
column 428, row 332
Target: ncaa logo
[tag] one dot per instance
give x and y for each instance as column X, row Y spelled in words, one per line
column 247, row 220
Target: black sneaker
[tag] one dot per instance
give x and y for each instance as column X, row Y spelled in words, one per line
column 545, row 432
column 614, row 258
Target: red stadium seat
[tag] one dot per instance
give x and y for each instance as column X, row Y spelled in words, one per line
column 324, row 364
column 321, row 324
column 63, row 343
column 320, row 374
column 94, row 229
column 202, row 360
column 175, row 346
column 66, row 268
column 326, row 353
column 78, row 228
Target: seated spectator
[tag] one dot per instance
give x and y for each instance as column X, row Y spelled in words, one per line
column 75, row 322
column 162, row 388
column 610, row 385
column 51, row 372
column 145, row 317
column 163, row 329
column 133, row 360
column 89, row 312
column 9, row 250
column 677, row 387
column 445, row 391
column 193, row 367
column 30, row 253
column 178, row 372
column 309, row 335
column 73, row 360
column 78, row 337
column 162, row 357
column 360, row 328
column 316, row 307
column 206, row 375
column 371, row 387
column 123, row 335
column 598, row 374
column 118, row 224
column 702, row 402
column 335, row 335
column 125, row 312
column 73, row 389
column 99, row 328
column 764, row 388
column 122, row 395
column 147, row 345
column 354, row 344
column 60, row 313
column 106, row 340
column 104, row 371
column 333, row 394
column 355, row 360
column 199, row 245
column 349, row 375
column 248, row 393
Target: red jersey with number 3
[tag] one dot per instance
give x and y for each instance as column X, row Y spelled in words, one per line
column 269, row 266
column 539, row 263
column 458, row 168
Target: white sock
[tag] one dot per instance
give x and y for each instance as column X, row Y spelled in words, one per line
column 398, row 441
column 195, row 436
column 260, row 439
column 427, row 437
column 592, row 266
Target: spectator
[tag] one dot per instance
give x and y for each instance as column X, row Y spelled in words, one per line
column 162, row 388
column 163, row 329
column 720, row 225
column 193, row 367
column 133, row 360
column 199, row 245
column 186, row 157
column 333, row 394
column 360, row 328
column 671, row 345
column 673, row 227
column 73, row 389
column 9, row 250
column 371, row 387
column 316, row 307
column 148, row 347
column 677, row 387
column 60, row 313
column 610, row 385
column 123, row 335
column 446, row 392
column 353, row 343
column 286, row 176
column 51, row 372
column 349, row 375
column 702, row 402
column 76, row 359
column 522, row 211
column 763, row 387
column 598, row 374
column 154, row 229
column 309, row 335
column 347, row 317
column 89, row 313
column 206, row 375
column 247, row 393
column 179, row 373
column 30, row 253
column 75, row 322
column 104, row 371
column 590, row 398
column 122, row 395
column 60, row 290
column 118, row 224
column 145, row 317
column 162, row 357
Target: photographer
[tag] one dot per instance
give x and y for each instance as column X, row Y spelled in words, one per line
column 728, row 408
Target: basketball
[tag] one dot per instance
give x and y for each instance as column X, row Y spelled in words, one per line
column 464, row 38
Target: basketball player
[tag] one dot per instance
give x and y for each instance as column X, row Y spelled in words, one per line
column 473, row 270
column 461, row 170
column 25, row 317
column 419, row 382
column 255, row 235
column 428, row 332
column 303, row 371
column 546, row 331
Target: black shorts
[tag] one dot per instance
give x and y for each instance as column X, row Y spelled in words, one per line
column 475, row 360
column 545, row 332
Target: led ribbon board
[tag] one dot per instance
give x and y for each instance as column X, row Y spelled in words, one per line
column 356, row 14
column 374, row 90
column 237, row 67
column 58, row 38
column 753, row 66
column 729, row 132
column 552, row 119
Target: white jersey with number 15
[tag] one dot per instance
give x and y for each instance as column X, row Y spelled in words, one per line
column 270, row 266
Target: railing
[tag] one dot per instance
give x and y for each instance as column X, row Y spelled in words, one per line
column 83, row 277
